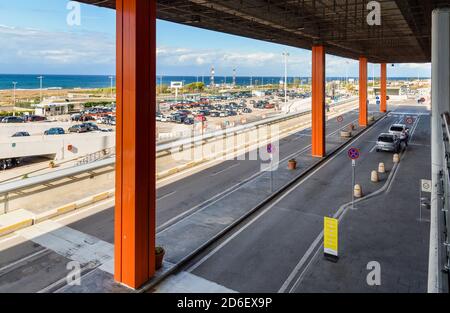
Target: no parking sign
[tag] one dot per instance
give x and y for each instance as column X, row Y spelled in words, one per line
column 353, row 153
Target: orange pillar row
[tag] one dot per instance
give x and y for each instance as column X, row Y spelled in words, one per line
column 318, row 101
column 135, row 141
column 362, row 92
column 383, row 82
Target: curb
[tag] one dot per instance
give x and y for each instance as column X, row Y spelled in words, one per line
column 42, row 217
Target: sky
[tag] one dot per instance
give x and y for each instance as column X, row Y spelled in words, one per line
column 35, row 37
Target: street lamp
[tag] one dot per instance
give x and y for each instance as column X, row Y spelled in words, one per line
column 286, row 55
column 14, row 98
column 40, row 86
column 112, row 79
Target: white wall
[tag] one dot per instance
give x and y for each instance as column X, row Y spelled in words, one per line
column 83, row 144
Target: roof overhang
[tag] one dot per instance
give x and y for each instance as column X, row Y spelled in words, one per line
column 404, row 35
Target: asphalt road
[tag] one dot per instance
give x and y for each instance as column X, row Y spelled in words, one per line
column 249, row 263
column 262, row 255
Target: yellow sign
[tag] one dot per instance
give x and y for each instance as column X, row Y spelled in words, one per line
column 330, row 241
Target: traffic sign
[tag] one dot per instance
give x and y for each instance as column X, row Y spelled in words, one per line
column 353, row 153
column 378, row 98
column 378, row 102
column 269, row 148
column 340, row 119
column 409, row 120
column 425, row 185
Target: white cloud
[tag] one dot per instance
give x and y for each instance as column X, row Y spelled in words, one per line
column 24, row 46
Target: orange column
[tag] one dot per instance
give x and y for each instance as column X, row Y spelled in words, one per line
column 135, row 160
column 383, row 95
column 318, row 101
column 362, row 91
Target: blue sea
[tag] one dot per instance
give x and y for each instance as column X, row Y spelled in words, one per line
column 102, row 81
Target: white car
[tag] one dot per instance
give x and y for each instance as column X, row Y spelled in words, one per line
column 161, row 118
column 400, row 130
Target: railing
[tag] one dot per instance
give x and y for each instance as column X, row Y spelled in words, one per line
column 17, row 186
column 179, row 145
column 443, row 217
column 9, row 188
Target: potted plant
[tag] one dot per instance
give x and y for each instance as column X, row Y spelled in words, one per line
column 52, row 164
column 159, row 254
column 292, row 164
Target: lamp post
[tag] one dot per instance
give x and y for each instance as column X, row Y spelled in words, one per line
column 112, row 79
column 14, row 98
column 286, row 55
column 40, row 86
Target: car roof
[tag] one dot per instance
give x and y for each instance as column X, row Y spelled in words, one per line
column 398, row 125
column 386, row 134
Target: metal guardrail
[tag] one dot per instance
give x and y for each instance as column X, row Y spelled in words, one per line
column 17, row 186
column 191, row 141
column 443, row 193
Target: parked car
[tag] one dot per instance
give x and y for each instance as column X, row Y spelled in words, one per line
column 388, row 142
column 214, row 114
column 189, row 121
column 247, row 110
column 75, row 117
column 401, row 131
column 81, row 128
column 160, row 117
column 35, row 118
column 204, row 112
column 269, row 106
column 90, row 126
column 178, row 118
column 12, row 119
column 21, row 134
column 54, row 131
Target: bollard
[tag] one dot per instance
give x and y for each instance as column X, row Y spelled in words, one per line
column 374, row 177
column 396, row 158
column 381, row 168
column 357, row 191
column 346, row 134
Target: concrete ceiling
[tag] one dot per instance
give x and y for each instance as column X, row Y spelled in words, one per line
column 404, row 35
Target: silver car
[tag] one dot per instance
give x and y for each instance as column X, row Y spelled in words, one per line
column 400, row 130
column 388, row 142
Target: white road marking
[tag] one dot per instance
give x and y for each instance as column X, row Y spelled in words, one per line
column 71, row 244
column 226, row 169
column 253, row 220
column 185, row 282
column 167, row 195
column 177, row 219
column 23, row 259
column 305, row 257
